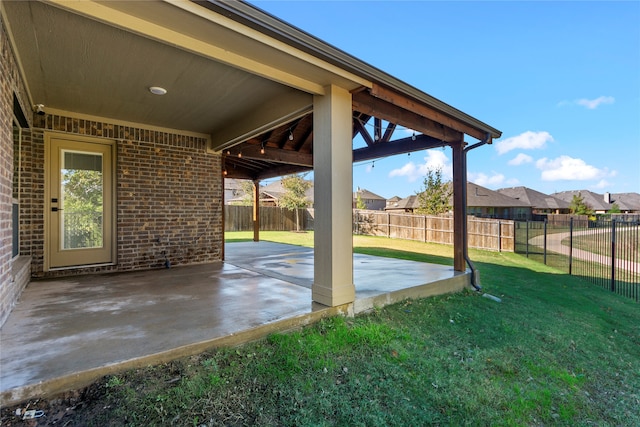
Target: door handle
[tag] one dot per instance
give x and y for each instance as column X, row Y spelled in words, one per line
column 54, row 209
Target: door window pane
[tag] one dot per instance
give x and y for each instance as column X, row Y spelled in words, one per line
column 81, row 203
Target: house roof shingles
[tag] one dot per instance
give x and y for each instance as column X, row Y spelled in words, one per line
column 534, row 198
column 477, row 196
column 625, row 201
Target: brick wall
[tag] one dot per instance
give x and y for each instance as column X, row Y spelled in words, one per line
column 168, row 192
column 32, row 197
column 6, row 172
column 10, row 86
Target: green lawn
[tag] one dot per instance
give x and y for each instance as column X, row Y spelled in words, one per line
column 556, row 351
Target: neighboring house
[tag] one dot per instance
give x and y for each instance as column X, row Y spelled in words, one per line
column 542, row 204
column 628, row 202
column 481, row 202
column 485, row 203
column 271, row 194
column 371, row 200
column 602, row 203
column 158, row 102
column 393, row 201
column 408, row 204
column 233, row 191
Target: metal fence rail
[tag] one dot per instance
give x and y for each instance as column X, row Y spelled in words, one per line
column 605, row 252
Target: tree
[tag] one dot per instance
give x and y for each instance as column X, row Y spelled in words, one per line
column 435, row 197
column 247, row 193
column 579, row 207
column 615, row 208
column 295, row 197
column 82, row 192
column 359, row 202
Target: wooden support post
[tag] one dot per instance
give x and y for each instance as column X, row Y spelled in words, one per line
column 256, row 211
column 222, row 202
column 459, row 206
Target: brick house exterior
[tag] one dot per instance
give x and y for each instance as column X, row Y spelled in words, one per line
column 12, row 280
column 168, row 192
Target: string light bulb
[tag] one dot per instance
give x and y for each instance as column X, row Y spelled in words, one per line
column 290, row 135
column 262, row 148
column 239, row 154
column 413, row 137
column 224, row 172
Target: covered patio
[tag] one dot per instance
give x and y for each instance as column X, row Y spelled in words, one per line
column 159, row 102
column 67, row 332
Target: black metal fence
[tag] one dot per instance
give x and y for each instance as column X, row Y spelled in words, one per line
column 605, row 252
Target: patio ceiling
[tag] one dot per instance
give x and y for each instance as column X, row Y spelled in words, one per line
column 233, row 74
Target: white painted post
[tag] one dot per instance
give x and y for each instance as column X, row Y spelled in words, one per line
column 333, row 186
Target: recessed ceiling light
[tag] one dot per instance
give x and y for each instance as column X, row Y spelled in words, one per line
column 157, row 90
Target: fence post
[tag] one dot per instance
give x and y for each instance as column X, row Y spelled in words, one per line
column 499, row 236
column 545, row 242
column 388, row 224
column 570, row 244
column 425, row 228
column 527, row 241
column 613, row 255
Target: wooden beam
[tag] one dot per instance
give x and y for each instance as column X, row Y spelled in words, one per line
column 223, row 175
column 360, row 128
column 281, row 171
column 256, row 211
column 425, row 111
column 377, row 130
column 399, row 146
column 388, row 132
column 276, row 155
column 367, row 104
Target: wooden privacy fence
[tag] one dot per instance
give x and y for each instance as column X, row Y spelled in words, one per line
column 240, row 218
column 483, row 233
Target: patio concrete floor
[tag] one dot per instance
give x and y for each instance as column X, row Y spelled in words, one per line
column 65, row 333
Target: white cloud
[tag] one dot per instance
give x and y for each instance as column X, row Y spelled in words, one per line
column 592, row 104
column 569, row 169
column 409, row 170
column 520, row 159
column 603, row 183
column 480, row 178
column 435, row 159
column 525, row 141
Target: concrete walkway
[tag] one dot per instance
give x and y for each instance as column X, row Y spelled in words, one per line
column 554, row 244
column 66, row 333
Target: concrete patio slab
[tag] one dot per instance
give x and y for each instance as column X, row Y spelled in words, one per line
column 65, row 333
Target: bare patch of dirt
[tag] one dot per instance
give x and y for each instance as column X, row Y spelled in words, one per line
column 73, row 408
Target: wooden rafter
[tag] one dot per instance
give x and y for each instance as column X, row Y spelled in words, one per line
column 276, row 155
column 387, row 95
column 359, row 127
column 367, row 104
column 388, row 132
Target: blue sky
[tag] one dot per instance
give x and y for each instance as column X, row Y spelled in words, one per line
column 561, row 80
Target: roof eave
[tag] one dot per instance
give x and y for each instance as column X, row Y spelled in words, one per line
column 268, row 24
